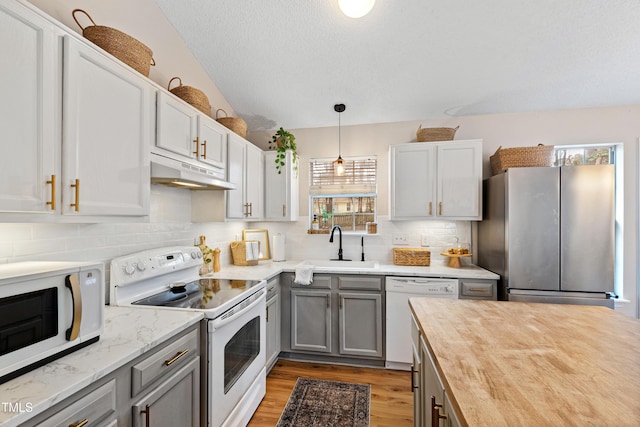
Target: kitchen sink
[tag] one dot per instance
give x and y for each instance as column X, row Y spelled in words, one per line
column 334, row 265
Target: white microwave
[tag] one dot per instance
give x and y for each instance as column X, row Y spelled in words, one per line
column 47, row 310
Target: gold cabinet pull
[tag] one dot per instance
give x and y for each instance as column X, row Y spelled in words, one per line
column 170, row 362
column 204, row 149
column 197, row 152
column 440, row 209
column 250, row 209
column 147, row 412
column 76, row 205
column 80, row 424
column 284, row 210
column 52, row 181
column 72, row 282
column 246, row 209
column 477, row 289
column 430, row 208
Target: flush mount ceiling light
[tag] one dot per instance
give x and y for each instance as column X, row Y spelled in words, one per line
column 356, row 8
column 338, row 164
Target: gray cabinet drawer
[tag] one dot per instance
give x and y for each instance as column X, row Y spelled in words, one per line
column 485, row 289
column 320, row 281
column 360, row 283
column 98, row 408
column 171, row 357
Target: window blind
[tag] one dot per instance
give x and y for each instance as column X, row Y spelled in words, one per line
column 359, row 177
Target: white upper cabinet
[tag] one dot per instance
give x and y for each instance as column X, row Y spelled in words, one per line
column 280, row 189
column 30, row 147
column 440, row 180
column 107, row 130
column 76, row 126
column 246, row 166
column 194, row 136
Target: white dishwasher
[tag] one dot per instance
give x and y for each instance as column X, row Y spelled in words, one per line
column 398, row 291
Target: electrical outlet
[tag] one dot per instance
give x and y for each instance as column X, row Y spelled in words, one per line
column 424, row 239
column 400, row 239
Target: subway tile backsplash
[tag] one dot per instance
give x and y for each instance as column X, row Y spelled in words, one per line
column 170, row 224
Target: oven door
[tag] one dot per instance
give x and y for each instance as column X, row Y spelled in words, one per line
column 236, row 352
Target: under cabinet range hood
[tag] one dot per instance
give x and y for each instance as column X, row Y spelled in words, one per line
column 174, row 172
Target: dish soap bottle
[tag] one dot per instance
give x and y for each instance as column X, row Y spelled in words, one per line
column 315, row 225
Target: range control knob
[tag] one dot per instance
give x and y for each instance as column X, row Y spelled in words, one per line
column 193, row 255
column 129, row 269
column 141, row 265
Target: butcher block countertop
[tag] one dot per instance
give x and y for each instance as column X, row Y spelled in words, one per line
column 529, row 364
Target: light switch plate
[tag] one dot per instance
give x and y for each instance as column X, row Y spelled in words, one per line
column 424, row 239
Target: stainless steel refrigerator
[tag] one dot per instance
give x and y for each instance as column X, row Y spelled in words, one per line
column 549, row 232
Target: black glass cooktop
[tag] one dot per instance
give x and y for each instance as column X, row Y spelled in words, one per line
column 201, row 294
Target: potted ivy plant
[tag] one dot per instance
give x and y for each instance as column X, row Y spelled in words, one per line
column 282, row 141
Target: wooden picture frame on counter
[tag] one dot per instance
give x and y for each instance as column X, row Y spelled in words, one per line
column 261, row 235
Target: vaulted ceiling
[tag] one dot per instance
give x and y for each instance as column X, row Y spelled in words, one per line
column 287, row 62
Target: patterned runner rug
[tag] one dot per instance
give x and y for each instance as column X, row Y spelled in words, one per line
column 319, row 403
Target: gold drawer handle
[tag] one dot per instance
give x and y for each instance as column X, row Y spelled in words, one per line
column 80, row 424
column 170, row 362
column 440, row 209
column 197, row 152
column 430, row 208
column 477, row 289
column 204, row 149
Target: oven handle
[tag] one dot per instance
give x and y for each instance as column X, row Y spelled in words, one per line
column 223, row 320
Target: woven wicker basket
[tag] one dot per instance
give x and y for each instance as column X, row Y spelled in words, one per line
column 518, row 157
column 435, row 134
column 412, row 256
column 236, row 124
column 191, row 95
column 239, row 253
column 124, row 47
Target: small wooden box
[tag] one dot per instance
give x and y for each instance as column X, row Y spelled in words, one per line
column 412, row 256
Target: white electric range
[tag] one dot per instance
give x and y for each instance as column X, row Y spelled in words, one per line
column 235, row 315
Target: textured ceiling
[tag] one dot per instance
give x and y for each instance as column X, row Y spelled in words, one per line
column 287, row 62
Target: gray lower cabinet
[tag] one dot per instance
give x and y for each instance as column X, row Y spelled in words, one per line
column 159, row 388
column 311, row 320
column 273, row 322
column 175, row 402
column 335, row 316
column 432, row 405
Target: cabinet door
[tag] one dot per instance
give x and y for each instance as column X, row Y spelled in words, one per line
column 176, row 402
column 254, row 172
column 28, row 153
column 459, row 180
column 360, row 324
column 431, row 387
column 311, row 320
column 280, row 189
column 176, row 126
column 212, row 138
column 413, row 181
column 273, row 330
column 107, row 132
column 235, row 171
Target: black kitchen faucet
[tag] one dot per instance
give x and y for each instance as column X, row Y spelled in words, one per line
column 340, row 248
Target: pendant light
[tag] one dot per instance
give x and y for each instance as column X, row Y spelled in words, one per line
column 356, row 8
column 338, row 164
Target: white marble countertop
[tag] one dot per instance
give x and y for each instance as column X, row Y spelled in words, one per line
column 268, row 269
column 128, row 333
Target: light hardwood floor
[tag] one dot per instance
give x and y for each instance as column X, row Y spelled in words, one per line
column 391, row 397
